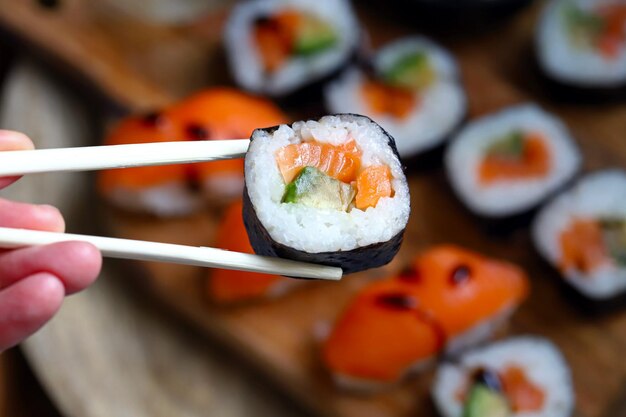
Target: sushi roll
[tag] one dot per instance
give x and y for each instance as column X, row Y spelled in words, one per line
column 230, row 286
column 505, row 164
column 582, row 233
column 521, row 376
column 581, row 47
column 278, row 47
column 413, row 90
column 330, row 191
column 174, row 190
column 447, row 300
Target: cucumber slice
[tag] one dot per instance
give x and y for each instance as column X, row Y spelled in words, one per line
column 584, row 26
column 510, row 146
column 314, row 36
column 614, row 236
column 485, row 402
column 412, row 71
column 314, row 188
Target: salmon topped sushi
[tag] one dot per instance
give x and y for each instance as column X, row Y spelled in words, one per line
column 229, row 286
column 448, row 299
column 330, row 191
column 278, row 47
column 218, row 113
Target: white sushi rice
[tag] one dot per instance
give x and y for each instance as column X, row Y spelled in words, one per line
column 317, row 230
column 441, row 107
column 542, row 362
column 247, row 65
column 598, row 195
column 563, row 60
column 504, row 198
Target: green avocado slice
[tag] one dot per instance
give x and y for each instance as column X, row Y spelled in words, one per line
column 314, row 36
column 510, row 146
column 614, row 236
column 485, row 402
column 413, row 71
column 314, row 188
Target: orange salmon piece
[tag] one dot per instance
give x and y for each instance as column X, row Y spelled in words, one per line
column 385, row 99
column 535, row 162
column 379, row 340
column 397, row 322
column 151, row 128
column 222, row 113
column 461, row 288
column 582, row 245
column 275, row 38
column 612, row 38
column 338, row 162
column 373, row 184
column 226, row 285
column 523, row 395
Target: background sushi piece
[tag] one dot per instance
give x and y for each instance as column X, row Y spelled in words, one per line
column 354, row 240
column 580, row 49
column 449, row 299
column 175, row 190
column 504, row 165
column 229, row 286
column 533, row 376
column 413, row 90
column 273, row 50
column 581, row 233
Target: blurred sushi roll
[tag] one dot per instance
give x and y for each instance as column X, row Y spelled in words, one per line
column 582, row 233
column 330, row 192
column 521, row 376
column 413, row 90
column 230, row 286
column 581, row 47
column 174, row 190
column 505, row 164
column 279, row 47
column 447, row 300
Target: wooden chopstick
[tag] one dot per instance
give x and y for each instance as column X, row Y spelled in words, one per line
column 13, row 163
column 180, row 254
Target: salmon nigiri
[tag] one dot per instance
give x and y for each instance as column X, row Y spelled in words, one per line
column 226, row 285
column 218, row 113
column 449, row 297
column 161, row 190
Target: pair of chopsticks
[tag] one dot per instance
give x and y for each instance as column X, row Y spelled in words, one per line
column 16, row 163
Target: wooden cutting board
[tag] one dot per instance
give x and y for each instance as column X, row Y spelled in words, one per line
column 280, row 337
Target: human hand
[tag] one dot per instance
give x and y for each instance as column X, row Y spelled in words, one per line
column 34, row 280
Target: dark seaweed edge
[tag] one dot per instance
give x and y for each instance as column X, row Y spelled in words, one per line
column 355, row 260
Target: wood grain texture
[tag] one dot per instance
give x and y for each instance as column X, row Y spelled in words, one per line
column 136, row 63
column 110, row 352
column 282, row 338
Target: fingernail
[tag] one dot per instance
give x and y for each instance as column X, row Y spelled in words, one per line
column 14, row 141
column 51, row 215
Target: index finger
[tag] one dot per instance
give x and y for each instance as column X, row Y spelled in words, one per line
column 13, row 141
